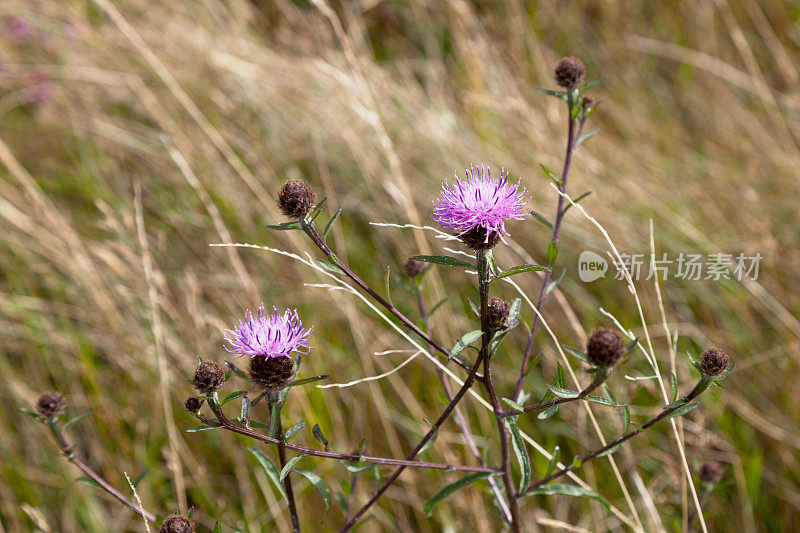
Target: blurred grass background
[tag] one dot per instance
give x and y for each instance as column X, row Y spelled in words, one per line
column 206, row 107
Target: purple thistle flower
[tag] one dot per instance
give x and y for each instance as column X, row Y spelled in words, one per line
column 476, row 208
column 268, row 335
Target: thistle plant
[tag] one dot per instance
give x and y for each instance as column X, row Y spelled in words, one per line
column 481, row 212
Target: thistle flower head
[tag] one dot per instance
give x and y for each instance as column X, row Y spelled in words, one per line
column 714, row 362
column 296, row 198
column 208, row 377
column 268, row 336
column 50, row 404
column 711, row 472
column 476, row 208
column 498, row 313
column 413, row 268
column 177, row 524
column 272, row 373
column 569, row 72
column 604, row 347
column 193, row 404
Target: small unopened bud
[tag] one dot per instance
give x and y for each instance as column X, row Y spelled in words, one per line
column 177, row 524
column 711, row 472
column 50, row 404
column 413, row 268
column 498, row 313
column 604, row 347
column 296, row 198
column 569, row 72
column 193, row 404
column 271, row 373
column 476, row 238
column 587, row 102
column 208, row 377
column 714, row 361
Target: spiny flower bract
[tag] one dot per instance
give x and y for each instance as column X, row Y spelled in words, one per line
column 479, row 206
column 268, row 335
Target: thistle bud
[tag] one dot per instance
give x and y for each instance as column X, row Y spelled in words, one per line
column 296, row 198
column 713, row 362
column 587, row 102
column 208, row 377
column 413, row 268
column 711, row 472
column 604, row 348
column 479, row 238
column 50, row 404
column 569, row 72
column 193, row 404
column 271, row 373
column 498, row 313
column 177, row 524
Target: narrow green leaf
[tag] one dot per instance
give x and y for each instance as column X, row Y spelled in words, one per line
column 630, row 347
column 330, row 224
column 306, row 381
column 553, row 284
column 451, row 488
column 330, row 267
column 611, row 450
column 725, row 373
column 576, row 200
column 437, row 306
column 77, row 419
column 568, row 490
column 514, row 405
column 201, row 427
column 139, row 478
column 605, row 401
column 89, row 481
column 552, row 253
column 467, row 339
column 626, row 419
column 673, row 383
column 550, row 92
column 443, row 260
column 269, row 468
column 683, row 410
column 317, row 432
column 521, row 452
column 559, row 381
column 257, row 399
column 695, row 362
column 551, row 466
column 233, row 396
column 317, row 208
column 563, row 393
column 217, row 527
column 585, row 137
column 283, row 227
column 290, row 465
column 575, row 353
column 429, row 443
column 246, row 408
column 33, row 414
column 591, row 84
column 321, row 487
column 523, row 268
column 542, row 219
column 552, row 175
column 474, row 308
column 294, row 429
